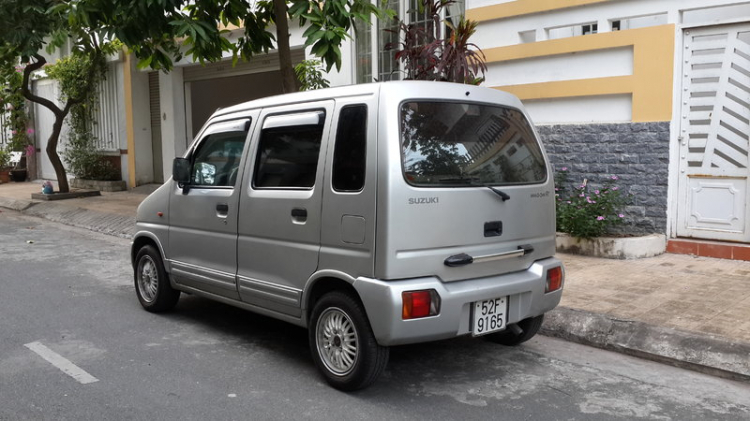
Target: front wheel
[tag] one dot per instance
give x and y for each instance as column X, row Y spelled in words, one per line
column 342, row 343
column 527, row 328
column 151, row 282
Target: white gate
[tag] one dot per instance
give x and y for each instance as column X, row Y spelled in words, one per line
column 714, row 186
column 44, row 119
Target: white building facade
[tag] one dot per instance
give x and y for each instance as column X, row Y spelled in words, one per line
column 656, row 92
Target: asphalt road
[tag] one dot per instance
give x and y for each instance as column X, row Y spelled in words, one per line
column 66, row 295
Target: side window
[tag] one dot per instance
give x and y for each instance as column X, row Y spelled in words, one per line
column 216, row 161
column 350, row 153
column 288, row 151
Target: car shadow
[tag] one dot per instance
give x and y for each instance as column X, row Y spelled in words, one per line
column 410, row 367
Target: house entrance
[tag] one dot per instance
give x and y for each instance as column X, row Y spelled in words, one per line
column 714, row 132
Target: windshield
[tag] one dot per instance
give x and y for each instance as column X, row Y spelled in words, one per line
column 464, row 144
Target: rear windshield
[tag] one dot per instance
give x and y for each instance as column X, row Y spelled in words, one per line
column 462, row 145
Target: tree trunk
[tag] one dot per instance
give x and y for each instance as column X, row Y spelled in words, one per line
column 54, row 158
column 62, row 177
column 288, row 77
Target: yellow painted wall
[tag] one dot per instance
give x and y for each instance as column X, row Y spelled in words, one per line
column 129, row 130
column 523, row 7
column 650, row 84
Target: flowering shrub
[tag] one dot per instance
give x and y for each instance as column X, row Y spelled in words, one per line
column 584, row 211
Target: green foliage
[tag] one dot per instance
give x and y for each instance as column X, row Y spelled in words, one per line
column 160, row 31
column 584, row 211
column 24, row 25
column 79, row 76
column 4, row 158
column 310, row 75
column 426, row 55
column 88, row 164
column 13, row 105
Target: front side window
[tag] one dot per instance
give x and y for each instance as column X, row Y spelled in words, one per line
column 288, row 154
column 216, row 161
column 446, row 144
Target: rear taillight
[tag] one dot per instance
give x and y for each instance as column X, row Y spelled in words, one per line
column 554, row 279
column 418, row 304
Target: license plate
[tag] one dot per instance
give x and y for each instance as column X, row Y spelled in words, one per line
column 489, row 315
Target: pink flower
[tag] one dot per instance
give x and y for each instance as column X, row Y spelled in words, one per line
column 564, row 169
column 12, row 132
column 30, row 131
column 621, row 215
column 615, row 188
column 599, row 218
column 614, row 177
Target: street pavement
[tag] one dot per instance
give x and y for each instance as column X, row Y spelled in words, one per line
column 691, row 312
column 76, row 345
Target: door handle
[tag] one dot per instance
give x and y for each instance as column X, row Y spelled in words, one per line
column 222, row 209
column 299, row 215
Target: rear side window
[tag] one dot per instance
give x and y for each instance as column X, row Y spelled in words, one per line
column 288, row 154
column 349, row 156
column 465, row 144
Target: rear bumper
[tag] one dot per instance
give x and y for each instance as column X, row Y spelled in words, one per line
column 382, row 301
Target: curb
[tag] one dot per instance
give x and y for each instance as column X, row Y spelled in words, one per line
column 708, row 354
column 16, row 205
column 102, row 222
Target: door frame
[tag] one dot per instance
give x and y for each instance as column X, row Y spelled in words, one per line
column 678, row 199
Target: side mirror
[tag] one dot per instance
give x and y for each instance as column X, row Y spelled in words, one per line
column 181, row 171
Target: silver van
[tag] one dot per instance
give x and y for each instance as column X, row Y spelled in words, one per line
column 374, row 215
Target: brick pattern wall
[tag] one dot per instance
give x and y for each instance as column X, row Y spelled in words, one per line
column 638, row 153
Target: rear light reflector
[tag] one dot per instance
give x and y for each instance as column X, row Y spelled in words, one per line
column 418, row 304
column 554, row 279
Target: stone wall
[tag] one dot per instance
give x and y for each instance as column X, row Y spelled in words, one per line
column 638, row 153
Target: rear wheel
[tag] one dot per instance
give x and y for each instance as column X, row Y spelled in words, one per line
column 511, row 336
column 151, row 282
column 342, row 343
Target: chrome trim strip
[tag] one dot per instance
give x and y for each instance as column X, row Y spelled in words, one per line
column 499, row 256
column 219, row 278
column 274, row 292
column 298, row 320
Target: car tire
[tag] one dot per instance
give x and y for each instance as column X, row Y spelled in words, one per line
column 529, row 328
column 342, row 343
column 152, row 283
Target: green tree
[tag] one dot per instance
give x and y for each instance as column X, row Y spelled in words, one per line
column 29, row 26
column 160, row 32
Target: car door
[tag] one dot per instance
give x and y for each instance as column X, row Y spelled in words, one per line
column 279, row 227
column 203, row 213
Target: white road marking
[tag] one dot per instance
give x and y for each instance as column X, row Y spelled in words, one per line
column 62, row 363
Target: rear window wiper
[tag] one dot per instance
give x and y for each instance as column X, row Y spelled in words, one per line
column 500, row 193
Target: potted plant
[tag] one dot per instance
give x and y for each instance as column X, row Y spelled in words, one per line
column 19, row 172
column 4, row 166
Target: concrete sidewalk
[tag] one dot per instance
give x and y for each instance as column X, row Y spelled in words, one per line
column 692, row 312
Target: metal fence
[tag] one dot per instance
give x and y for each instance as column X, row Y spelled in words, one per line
column 5, row 134
column 107, row 129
